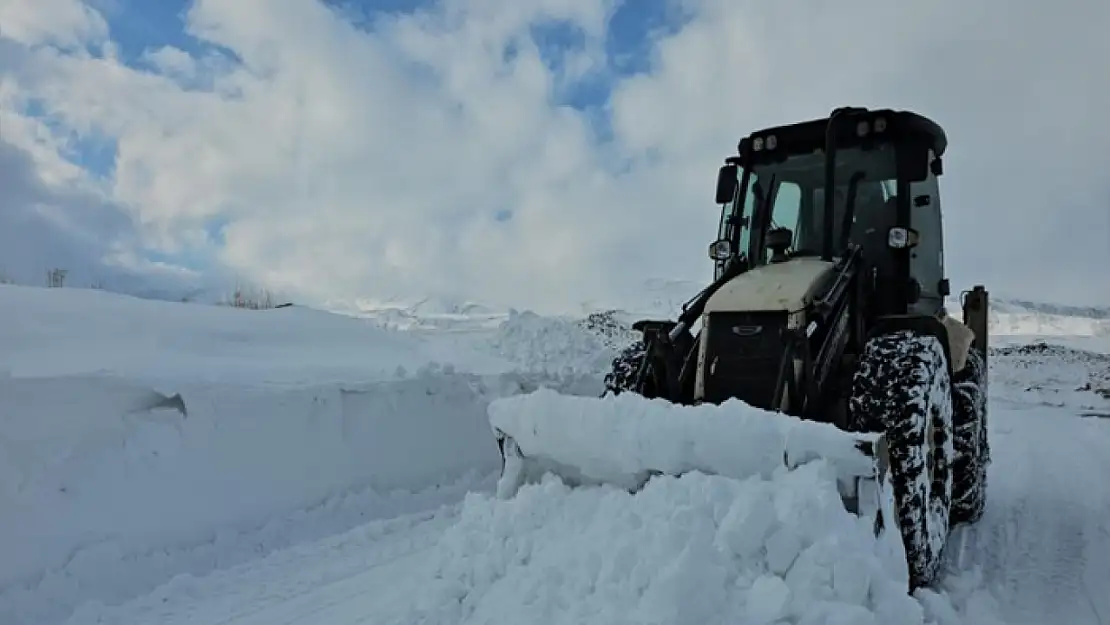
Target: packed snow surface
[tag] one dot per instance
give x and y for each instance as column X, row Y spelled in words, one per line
column 167, row 463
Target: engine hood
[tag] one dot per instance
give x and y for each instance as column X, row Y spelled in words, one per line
column 787, row 286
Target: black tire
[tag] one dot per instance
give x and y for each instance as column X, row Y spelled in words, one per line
column 625, row 367
column 969, row 421
column 902, row 387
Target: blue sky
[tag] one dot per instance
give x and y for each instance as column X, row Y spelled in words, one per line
column 138, row 26
column 527, row 154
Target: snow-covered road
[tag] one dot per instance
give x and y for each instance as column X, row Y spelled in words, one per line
column 1043, row 545
column 1039, row 555
column 371, row 574
column 292, row 493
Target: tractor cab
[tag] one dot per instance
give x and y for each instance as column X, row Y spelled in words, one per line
column 783, row 199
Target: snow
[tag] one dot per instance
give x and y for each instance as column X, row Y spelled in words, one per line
column 309, row 482
column 538, row 343
column 1026, row 323
column 694, row 549
column 1040, row 548
column 622, row 439
column 684, row 550
column 136, row 434
column 53, row 332
column 87, row 480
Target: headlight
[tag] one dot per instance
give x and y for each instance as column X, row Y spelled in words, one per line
column 901, row 238
column 720, row 249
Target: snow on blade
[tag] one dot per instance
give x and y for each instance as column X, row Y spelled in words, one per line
column 624, row 439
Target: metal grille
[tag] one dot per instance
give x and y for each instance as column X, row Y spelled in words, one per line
column 743, row 356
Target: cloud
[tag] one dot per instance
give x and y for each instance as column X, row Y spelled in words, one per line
column 436, row 152
column 44, row 226
column 62, row 23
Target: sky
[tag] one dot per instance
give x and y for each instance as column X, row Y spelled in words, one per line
column 530, row 154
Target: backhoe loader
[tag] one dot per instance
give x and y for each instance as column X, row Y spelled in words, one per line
column 828, row 304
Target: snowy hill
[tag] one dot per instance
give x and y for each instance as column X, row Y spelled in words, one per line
column 175, row 463
column 1017, row 306
column 1029, row 318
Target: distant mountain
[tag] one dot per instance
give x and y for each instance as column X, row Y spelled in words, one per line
column 1025, row 306
column 1007, row 316
column 430, row 306
column 664, row 298
column 651, row 298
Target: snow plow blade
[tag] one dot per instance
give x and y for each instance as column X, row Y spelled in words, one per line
column 626, row 440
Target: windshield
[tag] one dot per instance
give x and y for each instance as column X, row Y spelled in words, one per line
column 795, row 188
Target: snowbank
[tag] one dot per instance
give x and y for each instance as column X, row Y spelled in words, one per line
column 91, row 474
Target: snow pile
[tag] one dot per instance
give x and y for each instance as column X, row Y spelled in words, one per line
column 538, row 343
column 765, row 538
column 623, row 439
column 697, row 549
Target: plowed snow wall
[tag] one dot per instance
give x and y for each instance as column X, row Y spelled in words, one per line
column 91, row 474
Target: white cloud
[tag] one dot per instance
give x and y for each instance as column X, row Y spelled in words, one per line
column 172, row 62
column 64, row 23
column 349, row 163
column 50, row 219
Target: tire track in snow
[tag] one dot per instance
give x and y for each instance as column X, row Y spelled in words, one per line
column 1042, row 544
column 302, row 584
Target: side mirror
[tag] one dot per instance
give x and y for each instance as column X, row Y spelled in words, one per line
column 937, row 166
column 720, row 250
column 726, row 184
